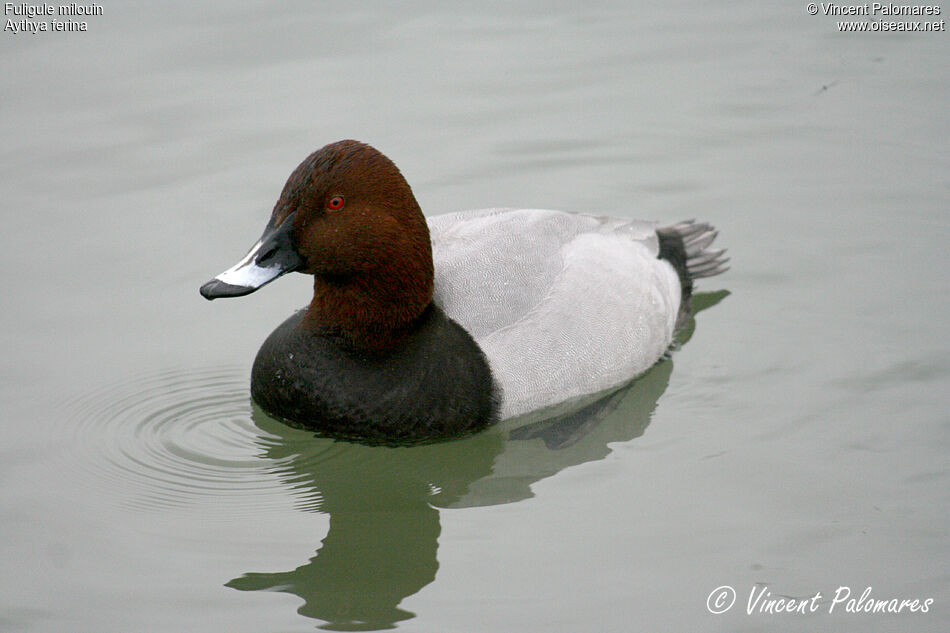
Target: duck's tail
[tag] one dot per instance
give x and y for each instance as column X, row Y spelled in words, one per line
column 686, row 246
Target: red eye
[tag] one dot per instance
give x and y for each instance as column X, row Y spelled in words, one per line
column 336, row 202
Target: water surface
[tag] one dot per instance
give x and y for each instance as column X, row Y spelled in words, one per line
column 797, row 442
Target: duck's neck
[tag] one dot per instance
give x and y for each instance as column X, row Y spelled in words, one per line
column 372, row 310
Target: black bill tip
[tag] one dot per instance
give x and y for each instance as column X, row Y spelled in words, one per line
column 216, row 289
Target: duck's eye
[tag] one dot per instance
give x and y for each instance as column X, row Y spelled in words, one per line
column 336, row 202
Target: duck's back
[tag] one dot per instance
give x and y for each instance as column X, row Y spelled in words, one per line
column 563, row 305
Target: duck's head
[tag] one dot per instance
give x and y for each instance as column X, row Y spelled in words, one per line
column 348, row 217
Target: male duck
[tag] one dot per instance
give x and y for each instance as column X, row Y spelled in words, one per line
column 420, row 331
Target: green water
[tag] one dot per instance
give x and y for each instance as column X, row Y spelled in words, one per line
column 796, row 443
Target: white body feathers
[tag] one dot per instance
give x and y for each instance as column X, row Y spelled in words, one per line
column 563, row 305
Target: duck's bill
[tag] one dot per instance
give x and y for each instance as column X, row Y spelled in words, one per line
column 273, row 255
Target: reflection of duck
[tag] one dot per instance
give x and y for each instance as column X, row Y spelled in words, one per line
column 384, row 524
column 543, row 446
column 383, row 537
column 421, row 329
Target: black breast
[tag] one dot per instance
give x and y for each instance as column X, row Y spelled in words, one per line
column 435, row 384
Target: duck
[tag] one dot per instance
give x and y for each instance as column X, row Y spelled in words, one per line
column 422, row 329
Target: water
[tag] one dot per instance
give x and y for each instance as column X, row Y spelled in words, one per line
column 797, row 443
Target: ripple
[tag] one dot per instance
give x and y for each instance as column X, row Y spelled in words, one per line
column 177, row 438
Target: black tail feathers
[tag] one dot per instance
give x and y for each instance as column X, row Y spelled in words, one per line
column 686, row 246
